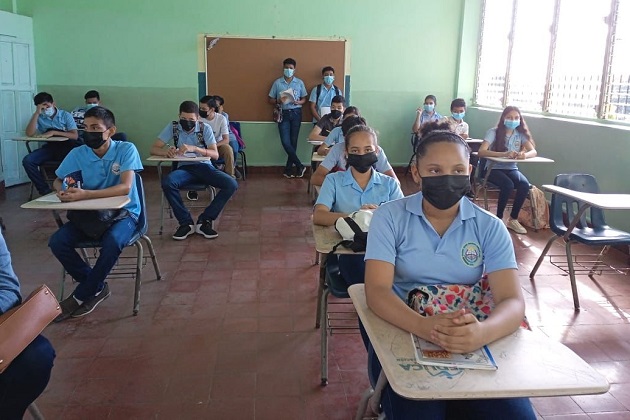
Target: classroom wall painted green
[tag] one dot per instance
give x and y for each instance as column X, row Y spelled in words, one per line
column 143, row 57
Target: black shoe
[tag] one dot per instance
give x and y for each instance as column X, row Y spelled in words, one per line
column 68, row 306
column 205, row 229
column 183, row 232
column 238, row 174
column 192, row 195
column 89, row 305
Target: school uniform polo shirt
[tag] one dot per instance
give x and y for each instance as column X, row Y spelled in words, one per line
column 280, row 85
column 514, row 143
column 336, row 159
column 475, row 243
column 96, row 173
column 458, row 127
column 341, row 193
column 425, row 117
column 61, row 121
column 325, row 97
column 189, row 138
column 334, row 137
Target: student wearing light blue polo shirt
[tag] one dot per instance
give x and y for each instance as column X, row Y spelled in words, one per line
column 289, row 128
column 438, row 237
column 194, row 138
column 101, row 168
column 327, row 91
column 426, row 113
column 336, row 134
column 48, row 121
column 360, row 187
column 336, row 157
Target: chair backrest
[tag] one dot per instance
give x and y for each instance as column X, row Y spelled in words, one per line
column 143, row 224
column 564, row 209
column 235, row 127
column 120, row 136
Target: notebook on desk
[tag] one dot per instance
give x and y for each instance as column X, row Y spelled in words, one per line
column 49, row 198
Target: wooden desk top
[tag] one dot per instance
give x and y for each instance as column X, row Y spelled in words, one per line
column 53, row 138
column 46, row 203
column 317, row 158
column 602, row 201
column 178, row 159
column 474, row 141
column 537, row 159
column 326, row 237
column 530, row 365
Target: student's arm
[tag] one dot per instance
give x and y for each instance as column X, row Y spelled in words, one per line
column 224, row 131
column 324, row 217
column 485, row 152
column 315, row 133
column 323, row 149
column 9, row 284
column 527, row 152
column 70, row 127
column 273, row 101
column 71, row 134
column 78, row 194
column 319, row 175
column 158, row 149
column 31, row 127
column 273, row 95
column 303, row 95
column 416, row 124
column 210, row 152
column 225, row 139
column 316, row 115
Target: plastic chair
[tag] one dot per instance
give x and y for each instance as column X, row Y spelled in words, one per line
column 241, row 152
column 372, row 395
column 335, row 285
column 595, row 233
column 120, row 136
column 136, row 270
column 50, row 165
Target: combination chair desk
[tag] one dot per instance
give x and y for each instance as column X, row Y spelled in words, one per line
column 572, row 196
column 529, row 365
column 193, row 187
column 52, row 164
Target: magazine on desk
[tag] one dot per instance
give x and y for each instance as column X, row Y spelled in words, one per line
column 431, row 354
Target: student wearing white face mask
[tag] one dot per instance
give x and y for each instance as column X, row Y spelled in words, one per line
column 323, row 94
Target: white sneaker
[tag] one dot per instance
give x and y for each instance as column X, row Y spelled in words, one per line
column 516, row 226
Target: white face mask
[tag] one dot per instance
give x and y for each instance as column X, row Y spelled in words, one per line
column 49, row 112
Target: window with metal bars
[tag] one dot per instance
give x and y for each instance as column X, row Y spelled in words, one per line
column 564, row 57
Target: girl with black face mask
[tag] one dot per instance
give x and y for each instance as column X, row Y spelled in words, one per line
column 360, row 187
column 439, row 238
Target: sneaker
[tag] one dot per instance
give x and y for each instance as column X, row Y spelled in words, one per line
column 205, row 229
column 183, row 232
column 301, row 172
column 288, row 176
column 89, row 305
column 192, row 195
column 238, row 174
column 68, row 306
column 516, row 226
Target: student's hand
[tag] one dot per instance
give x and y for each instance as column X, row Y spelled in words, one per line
column 48, row 134
column 520, row 155
column 72, row 194
column 171, row 152
column 463, row 335
column 326, row 151
column 510, row 155
column 39, row 109
column 420, row 109
column 369, row 207
column 185, row 148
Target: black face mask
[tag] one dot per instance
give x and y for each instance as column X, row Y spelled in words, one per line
column 203, row 114
column 444, row 191
column 187, row 125
column 335, row 113
column 93, row 139
column 362, row 163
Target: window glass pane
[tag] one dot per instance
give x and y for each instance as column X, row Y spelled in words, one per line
column 493, row 54
column 619, row 99
column 579, row 57
column 530, row 54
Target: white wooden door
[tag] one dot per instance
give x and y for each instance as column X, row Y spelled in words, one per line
column 17, row 88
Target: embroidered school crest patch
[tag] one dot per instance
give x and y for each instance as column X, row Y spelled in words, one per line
column 116, row 168
column 471, row 254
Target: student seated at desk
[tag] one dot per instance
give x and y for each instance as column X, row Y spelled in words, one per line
column 329, row 121
column 360, row 187
column 336, row 135
column 92, row 99
column 234, row 144
column 426, row 113
column 48, row 121
column 100, row 168
column 439, row 237
column 28, row 374
column 193, row 136
column 336, row 160
column 509, row 139
column 209, row 113
column 456, row 119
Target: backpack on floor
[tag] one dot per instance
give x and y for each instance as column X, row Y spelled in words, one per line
column 539, row 202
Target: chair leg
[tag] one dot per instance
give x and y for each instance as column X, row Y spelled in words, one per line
column 136, row 293
column 599, row 260
column 33, row 410
column 63, row 283
column 243, row 164
column 320, row 288
column 542, row 256
column 534, row 212
column 576, row 299
column 161, row 214
column 324, row 334
column 156, row 267
column 363, row 403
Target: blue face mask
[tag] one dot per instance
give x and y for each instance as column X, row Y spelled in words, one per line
column 89, row 106
column 511, row 124
column 289, row 72
column 458, row 116
column 329, row 80
column 429, row 107
column 49, row 112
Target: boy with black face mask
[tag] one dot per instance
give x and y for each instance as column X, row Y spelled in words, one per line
column 100, row 168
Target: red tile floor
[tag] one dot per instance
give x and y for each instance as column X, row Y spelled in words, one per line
column 229, row 332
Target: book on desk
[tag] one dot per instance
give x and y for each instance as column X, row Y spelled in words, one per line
column 431, row 354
